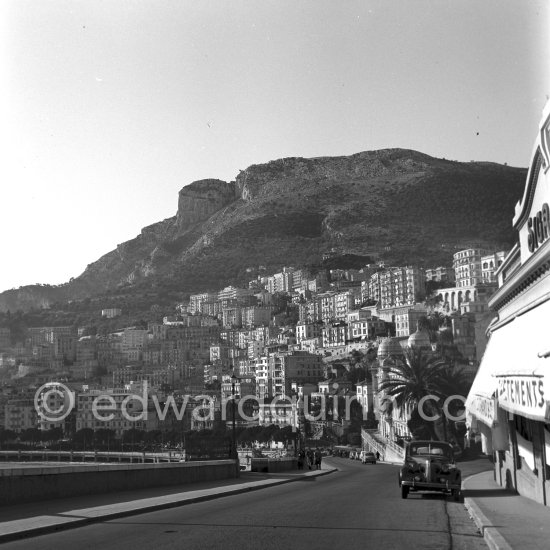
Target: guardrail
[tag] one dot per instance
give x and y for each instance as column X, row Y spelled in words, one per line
column 90, row 456
column 368, row 439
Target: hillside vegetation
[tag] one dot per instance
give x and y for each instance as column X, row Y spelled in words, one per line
column 398, row 205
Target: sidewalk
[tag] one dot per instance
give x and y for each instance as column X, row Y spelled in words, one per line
column 506, row 520
column 20, row 521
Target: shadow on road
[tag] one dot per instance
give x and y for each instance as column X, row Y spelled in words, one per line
column 478, row 493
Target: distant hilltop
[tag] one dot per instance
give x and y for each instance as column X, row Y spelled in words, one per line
column 404, row 206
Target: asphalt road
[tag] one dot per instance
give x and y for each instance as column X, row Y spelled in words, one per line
column 360, row 506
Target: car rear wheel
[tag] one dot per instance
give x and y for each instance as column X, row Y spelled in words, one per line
column 404, row 491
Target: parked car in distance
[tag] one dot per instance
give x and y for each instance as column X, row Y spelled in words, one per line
column 430, row 466
column 367, row 457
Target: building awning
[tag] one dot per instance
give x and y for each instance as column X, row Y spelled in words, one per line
column 512, row 371
column 525, row 393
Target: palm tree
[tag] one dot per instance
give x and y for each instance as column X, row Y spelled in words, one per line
column 432, row 323
column 455, row 384
column 417, row 376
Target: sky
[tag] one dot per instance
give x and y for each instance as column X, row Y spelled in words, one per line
column 109, row 108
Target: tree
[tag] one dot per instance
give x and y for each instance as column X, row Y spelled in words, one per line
column 356, row 357
column 153, row 438
column 284, row 435
column 133, row 437
column 84, row 437
column 418, row 376
column 104, row 437
column 31, row 434
column 7, row 435
column 53, row 434
column 267, row 433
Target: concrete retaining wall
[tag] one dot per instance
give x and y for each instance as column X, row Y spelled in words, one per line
column 19, row 485
column 273, row 464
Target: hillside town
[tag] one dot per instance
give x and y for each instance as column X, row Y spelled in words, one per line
column 287, row 342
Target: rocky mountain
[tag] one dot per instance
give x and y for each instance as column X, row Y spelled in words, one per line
column 398, row 205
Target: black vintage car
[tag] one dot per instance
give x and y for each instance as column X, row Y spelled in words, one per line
column 430, row 466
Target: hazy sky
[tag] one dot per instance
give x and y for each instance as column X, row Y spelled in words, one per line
column 110, row 107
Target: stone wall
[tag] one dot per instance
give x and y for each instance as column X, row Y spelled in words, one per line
column 18, row 485
column 273, row 464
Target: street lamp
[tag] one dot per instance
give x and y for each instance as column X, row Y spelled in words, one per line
column 233, row 440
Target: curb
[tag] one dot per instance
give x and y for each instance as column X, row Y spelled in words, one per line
column 491, row 534
column 80, row 522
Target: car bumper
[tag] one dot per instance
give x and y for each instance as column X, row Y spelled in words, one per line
column 430, row 486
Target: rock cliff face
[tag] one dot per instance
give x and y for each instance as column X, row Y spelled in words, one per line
column 397, row 205
column 198, row 201
column 257, row 180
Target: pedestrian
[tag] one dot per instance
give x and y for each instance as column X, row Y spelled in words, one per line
column 309, row 456
column 301, row 459
column 377, row 456
column 318, row 458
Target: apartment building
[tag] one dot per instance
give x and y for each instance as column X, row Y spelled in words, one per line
column 300, row 279
column 196, row 301
column 334, row 334
column 109, row 351
column 255, row 348
column 282, row 282
column 306, row 331
column 20, row 414
column 234, row 293
column 53, row 404
column 219, row 353
column 395, row 286
column 276, row 372
column 117, row 410
column 111, row 313
column 214, row 372
column 192, row 343
column 133, row 340
column 367, row 329
column 245, row 386
column 43, row 335
column 489, row 265
column 64, row 346
column 441, row 274
column 309, row 311
column 344, row 302
column 212, row 308
column 279, row 411
column 317, row 283
column 263, row 377
column 467, row 266
column 406, row 319
column 86, row 349
column 232, row 317
column 256, row 315
column 371, row 290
